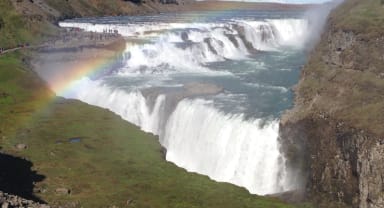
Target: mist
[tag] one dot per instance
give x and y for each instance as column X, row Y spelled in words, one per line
column 317, row 18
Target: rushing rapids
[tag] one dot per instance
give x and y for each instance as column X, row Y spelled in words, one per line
column 212, row 88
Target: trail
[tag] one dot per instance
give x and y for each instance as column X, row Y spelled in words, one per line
column 70, row 39
column 14, row 49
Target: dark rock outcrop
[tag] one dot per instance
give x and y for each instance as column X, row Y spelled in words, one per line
column 340, row 163
column 16, row 177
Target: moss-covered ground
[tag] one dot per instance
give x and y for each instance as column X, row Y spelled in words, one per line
column 364, row 17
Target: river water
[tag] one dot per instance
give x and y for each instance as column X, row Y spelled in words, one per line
column 211, row 85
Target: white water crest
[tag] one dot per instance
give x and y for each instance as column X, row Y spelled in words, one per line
column 130, row 106
column 181, row 47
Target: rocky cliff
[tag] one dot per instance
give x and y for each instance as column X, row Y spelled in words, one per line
column 334, row 136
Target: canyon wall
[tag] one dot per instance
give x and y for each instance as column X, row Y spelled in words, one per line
column 334, row 134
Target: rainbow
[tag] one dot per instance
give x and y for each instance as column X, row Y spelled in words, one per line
column 68, row 80
column 62, row 84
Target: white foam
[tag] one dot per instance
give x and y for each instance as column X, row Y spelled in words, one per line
column 272, row 87
column 291, row 32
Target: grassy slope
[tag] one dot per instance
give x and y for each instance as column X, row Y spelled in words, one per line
column 361, row 17
column 114, row 162
column 110, row 7
column 9, row 34
column 351, row 95
column 16, row 29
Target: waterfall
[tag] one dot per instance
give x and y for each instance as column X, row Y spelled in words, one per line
column 199, row 138
column 189, row 47
column 227, row 146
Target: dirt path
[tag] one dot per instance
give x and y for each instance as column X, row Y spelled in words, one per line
column 12, row 50
column 67, row 39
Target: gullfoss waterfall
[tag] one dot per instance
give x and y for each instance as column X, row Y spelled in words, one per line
column 211, row 88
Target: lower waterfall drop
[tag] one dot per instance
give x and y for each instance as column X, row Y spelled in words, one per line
column 227, row 148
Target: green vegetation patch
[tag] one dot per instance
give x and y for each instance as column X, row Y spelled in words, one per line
column 12, row 26
column 16, row 29
column 366, row 17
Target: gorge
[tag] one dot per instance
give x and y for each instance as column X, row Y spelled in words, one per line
column 215, row 87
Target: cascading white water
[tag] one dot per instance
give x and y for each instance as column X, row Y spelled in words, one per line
column 226, row 146
column 272, row 33
column 130, row 106
column 198, row 44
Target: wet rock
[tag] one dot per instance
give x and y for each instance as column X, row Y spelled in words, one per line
column 163, row 151
column 184, row 36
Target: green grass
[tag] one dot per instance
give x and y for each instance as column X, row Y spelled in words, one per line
column 91, row 7
column 21, row 92
column 365, row 16
column 12, row 30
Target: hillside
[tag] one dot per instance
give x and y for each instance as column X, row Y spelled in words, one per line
column 334, row 134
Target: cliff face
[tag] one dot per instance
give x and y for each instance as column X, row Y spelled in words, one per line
column 334, row 135
column 341, row 163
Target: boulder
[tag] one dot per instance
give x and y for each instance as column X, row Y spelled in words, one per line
column 63, row 191
column 21, row 146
